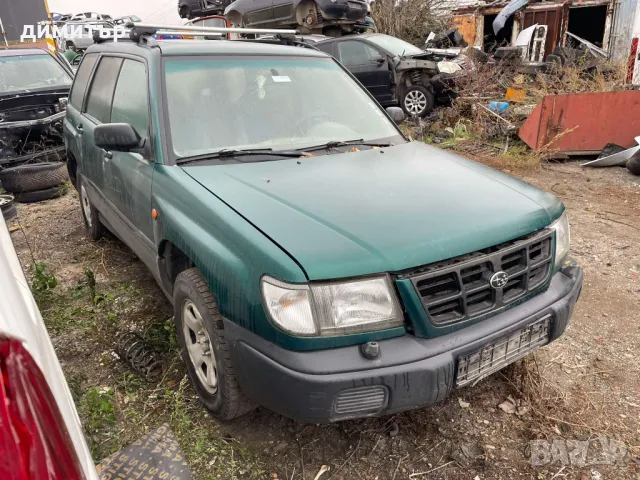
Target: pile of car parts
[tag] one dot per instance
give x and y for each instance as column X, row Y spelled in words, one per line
column 35, row 182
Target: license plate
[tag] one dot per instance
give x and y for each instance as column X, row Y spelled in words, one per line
column 502, row 352
column 354, row 6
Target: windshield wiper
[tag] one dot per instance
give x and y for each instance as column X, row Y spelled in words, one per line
column 336, row 144
column 226, row 154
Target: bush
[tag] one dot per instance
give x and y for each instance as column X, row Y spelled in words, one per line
column 410, row 20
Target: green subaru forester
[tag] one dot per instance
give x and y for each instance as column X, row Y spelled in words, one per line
column 319, row 263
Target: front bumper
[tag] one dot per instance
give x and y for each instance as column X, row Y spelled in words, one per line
column 331, row 385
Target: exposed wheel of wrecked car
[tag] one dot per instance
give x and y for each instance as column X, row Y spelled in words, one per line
column 633, row 164
column 417, row 101
column 90, row 215
column 200, row 331
column 32, row 177
column 8, row 207
column 41, row 195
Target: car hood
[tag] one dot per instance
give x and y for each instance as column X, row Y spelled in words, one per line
column 379, row 210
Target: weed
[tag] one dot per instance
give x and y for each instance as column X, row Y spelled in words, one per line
column 90, row 280
column 98, row 413
column 42, row 281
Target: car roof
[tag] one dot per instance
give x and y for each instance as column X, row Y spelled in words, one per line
column 14, row 52
column 209, row 47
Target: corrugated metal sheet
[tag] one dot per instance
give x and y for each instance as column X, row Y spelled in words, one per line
column 583, row 122
column 622, row 28
column 16, row 14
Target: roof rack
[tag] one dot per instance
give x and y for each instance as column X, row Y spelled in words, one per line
column 139, row 29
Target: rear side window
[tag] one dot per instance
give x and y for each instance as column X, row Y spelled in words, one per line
column 102, row 87
column 82, row 78
column 130, row 101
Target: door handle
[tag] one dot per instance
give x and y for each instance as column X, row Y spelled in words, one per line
column 107, row 154
column 80, row 128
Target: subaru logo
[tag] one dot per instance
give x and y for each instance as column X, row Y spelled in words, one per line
column 499, row 280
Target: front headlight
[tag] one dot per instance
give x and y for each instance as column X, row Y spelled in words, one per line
column 336, row 308
column 563, row 238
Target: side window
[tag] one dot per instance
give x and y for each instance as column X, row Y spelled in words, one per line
column 82, row 78
column 326, row 48
column 354, row 53
column 130, row 101
column 102, row 87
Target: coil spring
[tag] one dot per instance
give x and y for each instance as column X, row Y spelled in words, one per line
column 415, row 77
column 139, row 355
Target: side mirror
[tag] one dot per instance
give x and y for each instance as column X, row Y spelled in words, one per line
column 119, row 137
column 396, row 114
column 377, row 58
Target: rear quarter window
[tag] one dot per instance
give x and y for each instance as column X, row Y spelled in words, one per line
column 81, row 80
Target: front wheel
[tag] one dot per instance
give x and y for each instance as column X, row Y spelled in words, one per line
column 418, row 101
column 205, row 351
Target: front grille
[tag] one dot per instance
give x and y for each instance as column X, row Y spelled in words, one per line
column 361, row 400
column 460, row 289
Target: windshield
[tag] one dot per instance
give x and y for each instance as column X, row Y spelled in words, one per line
column 31, row 72
column 268, row 102
column 394, row 45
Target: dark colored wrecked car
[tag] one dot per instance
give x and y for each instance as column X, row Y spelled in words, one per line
column 394, row 71
column 200, row 8
column 34, row 88
column 328, row 17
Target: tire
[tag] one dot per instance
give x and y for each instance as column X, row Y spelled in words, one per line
column 90, row 214
column 8, row 207
column 212, row 374
column 41, row 195
column 32, row 177
column 417, row 101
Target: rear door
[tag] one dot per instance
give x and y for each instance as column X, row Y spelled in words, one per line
column 368, row 65
column 73, row 125
column 257, row 12
column 128, row 174
column 97, row 110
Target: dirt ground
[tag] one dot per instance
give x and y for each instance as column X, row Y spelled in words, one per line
column 582, row 387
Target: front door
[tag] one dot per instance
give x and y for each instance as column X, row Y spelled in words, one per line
column 129, row 174
column 258, row 12
column 97, row 110
column 369, row 66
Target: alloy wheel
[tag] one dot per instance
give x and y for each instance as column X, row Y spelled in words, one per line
column 415, row 102
column 199, row 347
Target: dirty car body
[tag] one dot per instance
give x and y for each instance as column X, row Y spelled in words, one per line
column 34, row 87
column 394, row 71
column 340, row 270
column 319, row 16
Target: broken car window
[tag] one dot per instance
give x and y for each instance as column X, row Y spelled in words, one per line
column 31, row 72
column 271, row 102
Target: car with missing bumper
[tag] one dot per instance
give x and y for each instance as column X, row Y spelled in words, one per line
column 318, row 262
column 396, row 72
column 34, row 89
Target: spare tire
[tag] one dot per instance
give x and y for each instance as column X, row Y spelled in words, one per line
column 41, row 195
column 8, row 207
column 35, row 176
